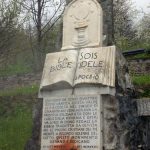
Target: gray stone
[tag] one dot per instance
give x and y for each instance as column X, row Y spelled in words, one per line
column 143, row 107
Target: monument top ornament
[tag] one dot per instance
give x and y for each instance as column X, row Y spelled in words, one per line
column 82, row 25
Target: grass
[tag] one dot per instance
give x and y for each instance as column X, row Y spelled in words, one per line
column 141, row 80
column 146, row 93
column 26, row 90
column 15, row 128
column 142, row 83
column 16, row 117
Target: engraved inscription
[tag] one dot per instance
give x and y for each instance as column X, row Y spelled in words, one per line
column 88, row 65
column 74, row 119
column 94, row 66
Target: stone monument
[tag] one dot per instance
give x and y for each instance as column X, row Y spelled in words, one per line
column 83, row 88
column 77, row 81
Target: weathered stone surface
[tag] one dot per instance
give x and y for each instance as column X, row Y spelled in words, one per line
column 123, row 79
column 143, row 107
column 110, row 114
column 82, row 25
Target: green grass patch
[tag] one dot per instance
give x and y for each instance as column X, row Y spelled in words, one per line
column 26, row 90
column 141, row 80
column 16, row 69
column 15, row 129
column 142, row 84
column 145, row 93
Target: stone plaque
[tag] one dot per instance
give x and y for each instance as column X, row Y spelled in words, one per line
column 143, row 107
column 82, row 24
column 72, row 121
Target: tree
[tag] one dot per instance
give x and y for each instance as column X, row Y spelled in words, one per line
column 108, row 27
column 143, row 27
column 44, row 15
column 124, row 32
column 9, row 12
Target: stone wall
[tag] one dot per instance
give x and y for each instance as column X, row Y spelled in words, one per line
column 139, row 66
column 19, row 80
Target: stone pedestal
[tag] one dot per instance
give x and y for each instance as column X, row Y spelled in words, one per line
column 83, row 91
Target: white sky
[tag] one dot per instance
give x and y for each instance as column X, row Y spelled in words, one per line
column 142, row 5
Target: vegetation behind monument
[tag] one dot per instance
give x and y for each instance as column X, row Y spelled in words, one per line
column 29, row 30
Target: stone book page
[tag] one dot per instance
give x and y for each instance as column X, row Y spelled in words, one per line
column 59, row 70
column 96, row 66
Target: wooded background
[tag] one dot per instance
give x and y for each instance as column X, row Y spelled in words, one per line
column 31, row 28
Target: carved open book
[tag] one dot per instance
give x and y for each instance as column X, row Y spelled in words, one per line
column 75, row 67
